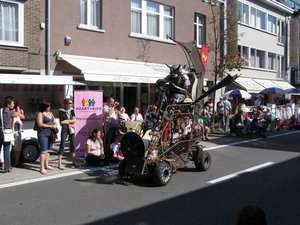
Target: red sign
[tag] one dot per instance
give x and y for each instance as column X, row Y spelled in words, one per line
column 204, row 55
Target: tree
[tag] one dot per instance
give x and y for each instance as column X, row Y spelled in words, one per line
column 223, row 43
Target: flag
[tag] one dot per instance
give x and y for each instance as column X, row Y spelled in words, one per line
column 192, row 51
column 204, row 55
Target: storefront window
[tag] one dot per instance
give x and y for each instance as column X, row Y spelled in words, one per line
column 144, row 98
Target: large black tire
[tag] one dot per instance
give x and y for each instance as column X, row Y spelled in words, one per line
column 202, row 161
column 162, row 173
column 30, row 152
column 121, row 169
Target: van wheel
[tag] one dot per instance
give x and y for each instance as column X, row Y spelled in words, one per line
column 30, row 152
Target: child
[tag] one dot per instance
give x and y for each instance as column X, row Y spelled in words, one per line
column 17, row 119
column 115, row 147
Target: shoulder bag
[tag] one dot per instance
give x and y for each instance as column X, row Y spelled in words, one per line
column 8, row 135
column 36, row 127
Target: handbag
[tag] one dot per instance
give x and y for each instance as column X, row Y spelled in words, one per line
column 36, row 127
column 8, row 135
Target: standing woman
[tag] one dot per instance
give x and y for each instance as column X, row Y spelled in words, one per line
column 8, row 114
column 67, row 121
column 46, row 121
column 220, row 112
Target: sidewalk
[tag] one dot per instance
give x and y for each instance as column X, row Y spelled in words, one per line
column 31, row 170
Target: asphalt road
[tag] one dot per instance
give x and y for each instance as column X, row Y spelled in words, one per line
column 264, row 172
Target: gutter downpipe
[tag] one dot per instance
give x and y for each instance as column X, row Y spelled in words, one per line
column 48, row 37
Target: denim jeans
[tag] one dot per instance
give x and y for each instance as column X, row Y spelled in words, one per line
column 63, row 137
column 45, row 143
column 6, row 153
column 226, row 118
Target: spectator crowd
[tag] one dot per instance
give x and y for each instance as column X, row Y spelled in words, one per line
column 103, row 145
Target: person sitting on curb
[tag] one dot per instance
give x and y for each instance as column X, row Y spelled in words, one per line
column 115, row 148
column 94, row 148
column 261, row 126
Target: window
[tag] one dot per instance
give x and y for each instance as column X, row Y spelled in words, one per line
column 90, row 13
column 272, row 24
column 252, row 58
column 258, row 58
column 136, row 16
column 244, row 53
column 281, row 31
column 258, row 19
column 152, row 19
column 296, row 76
column 199, row 29
column 11, row 23
column 271, row 61
column 252, row 17
column 280, row 67
column 243, row 13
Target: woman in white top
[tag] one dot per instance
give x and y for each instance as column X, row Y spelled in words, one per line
column 94, row 149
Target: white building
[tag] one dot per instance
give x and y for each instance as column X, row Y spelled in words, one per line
column 264, row 45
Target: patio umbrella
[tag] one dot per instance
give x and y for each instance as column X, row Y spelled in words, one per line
column 272, row 90
column 237, row 93
column 292, row 91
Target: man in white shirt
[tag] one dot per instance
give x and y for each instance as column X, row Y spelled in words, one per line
column 110, row 126
column 136, row 116
column 227, row 111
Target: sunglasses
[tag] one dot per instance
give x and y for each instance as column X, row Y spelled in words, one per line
column 70, row 103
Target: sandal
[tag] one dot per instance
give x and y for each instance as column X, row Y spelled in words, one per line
column 49, row 168
column 43, row 172
column 61, row 167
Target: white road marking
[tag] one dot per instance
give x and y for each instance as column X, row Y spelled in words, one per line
column 246, row 141
column 239, row 173
column 18, row 183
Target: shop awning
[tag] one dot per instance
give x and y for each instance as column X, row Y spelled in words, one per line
column 115, row 70
column 266, row 83
column 249, row 84
column 282, row 84
column 37, row 79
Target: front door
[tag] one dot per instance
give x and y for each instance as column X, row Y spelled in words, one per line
column 130, row 98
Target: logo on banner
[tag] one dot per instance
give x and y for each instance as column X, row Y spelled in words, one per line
column 88, row 104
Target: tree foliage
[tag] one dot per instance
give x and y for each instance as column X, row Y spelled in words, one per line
column 223, row 39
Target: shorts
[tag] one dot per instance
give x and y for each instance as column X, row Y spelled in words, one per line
column 45, row 143
column 18, row 141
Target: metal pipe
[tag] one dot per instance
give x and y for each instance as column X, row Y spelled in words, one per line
column 48, row 37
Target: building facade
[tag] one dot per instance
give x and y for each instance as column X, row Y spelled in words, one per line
column 121, row 47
